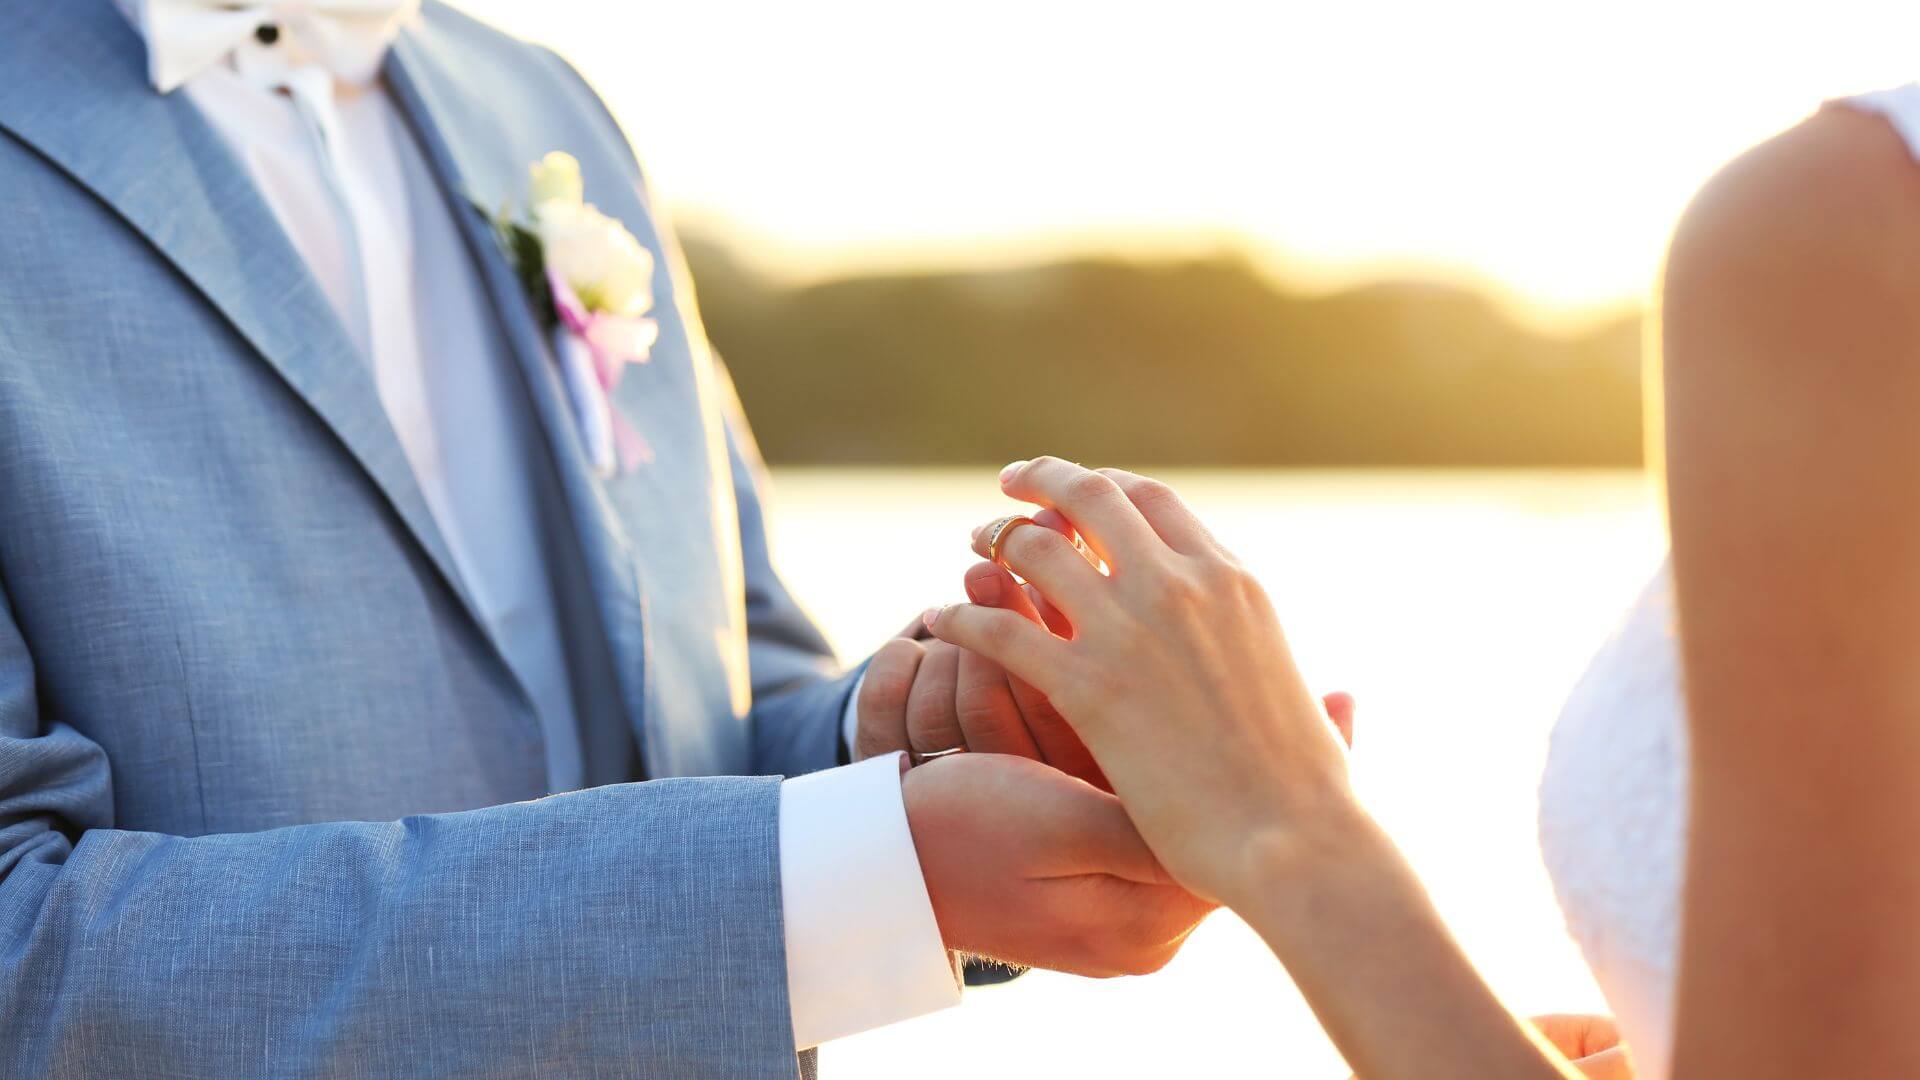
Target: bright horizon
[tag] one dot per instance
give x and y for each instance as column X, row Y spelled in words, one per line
column 1541, row 151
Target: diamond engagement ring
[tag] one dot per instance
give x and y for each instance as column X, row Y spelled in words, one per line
column 1001, row 530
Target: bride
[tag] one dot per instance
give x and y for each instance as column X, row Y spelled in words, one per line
column 1781, row 788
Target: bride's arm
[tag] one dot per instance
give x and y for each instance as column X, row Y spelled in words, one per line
column 1178, row 678
column 1792, row 337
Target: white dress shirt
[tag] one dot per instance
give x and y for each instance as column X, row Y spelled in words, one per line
column 353, row 190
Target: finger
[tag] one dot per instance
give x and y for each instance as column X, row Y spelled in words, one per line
column 931, row 723
column 1340, row 709
column 1100, row 838
column 1044, row 558
column 1578, row 1035
column 882, row 705
column 1048, row 518
column 989, row 717
column 1166, row 512
column 991, row 585
column 1053, row 519
column 1055, row 619
column 1053, row 740
column 1059, row 745
column 1025, row 650
column 1074, row 829
column 1102, row 513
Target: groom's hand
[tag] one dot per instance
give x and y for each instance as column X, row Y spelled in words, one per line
column 1029, row 866
column 928, row 696
column 924, row 697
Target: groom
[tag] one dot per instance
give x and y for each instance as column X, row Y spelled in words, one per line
column 312, row 592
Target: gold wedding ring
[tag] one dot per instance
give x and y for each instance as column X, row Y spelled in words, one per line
column 1000, row 531
column 918, row 758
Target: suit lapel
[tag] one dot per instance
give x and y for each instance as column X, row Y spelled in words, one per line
column 75, row 90
column 479, row 167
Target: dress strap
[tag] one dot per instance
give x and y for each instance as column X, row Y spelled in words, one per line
column 1901, row 108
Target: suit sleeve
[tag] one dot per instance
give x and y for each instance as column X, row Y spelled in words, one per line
column 629, row 930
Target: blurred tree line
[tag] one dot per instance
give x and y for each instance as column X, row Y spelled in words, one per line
column 1200, row 362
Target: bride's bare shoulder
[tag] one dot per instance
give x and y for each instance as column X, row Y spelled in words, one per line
column 1841, row 174
column 1799, row 248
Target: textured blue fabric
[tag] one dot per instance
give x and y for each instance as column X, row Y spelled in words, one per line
column 264, row 777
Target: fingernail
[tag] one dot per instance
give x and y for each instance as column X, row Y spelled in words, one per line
column 984, row 590
column 1006, row 474
column 931, row 616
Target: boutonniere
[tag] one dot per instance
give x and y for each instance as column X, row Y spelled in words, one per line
column 592, row 283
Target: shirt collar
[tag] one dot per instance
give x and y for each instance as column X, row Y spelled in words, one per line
column 348, row 38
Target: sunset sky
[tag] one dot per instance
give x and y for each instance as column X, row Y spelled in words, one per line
column 1540, row 146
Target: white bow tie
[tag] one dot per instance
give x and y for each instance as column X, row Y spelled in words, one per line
column 347, row 37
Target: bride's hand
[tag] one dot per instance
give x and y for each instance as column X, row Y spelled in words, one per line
column 1591, row 1042
column 1177, row 675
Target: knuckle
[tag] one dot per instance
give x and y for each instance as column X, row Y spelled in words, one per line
column 933, row 729
column 1235, row 580
column 901, row 652
column 980, row 700
column 1252, row 590
column 1178, row 593
column 1152, row 493
column 1032, row 544
column 929, row 706
column 998, row 633
column 1218, row 576
column 889, row 677
column 1089, row 487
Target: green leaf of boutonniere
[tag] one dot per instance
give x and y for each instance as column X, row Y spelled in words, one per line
column 523, row 249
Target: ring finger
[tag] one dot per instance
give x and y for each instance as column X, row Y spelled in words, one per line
column 1045, row 558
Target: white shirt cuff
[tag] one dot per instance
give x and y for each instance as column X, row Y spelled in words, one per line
column 863, row 949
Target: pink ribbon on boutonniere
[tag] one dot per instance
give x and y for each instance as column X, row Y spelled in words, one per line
column 594, row 348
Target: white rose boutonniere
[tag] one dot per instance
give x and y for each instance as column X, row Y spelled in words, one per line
column 592, row 282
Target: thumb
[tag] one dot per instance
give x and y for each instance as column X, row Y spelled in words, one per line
column 1095, row 836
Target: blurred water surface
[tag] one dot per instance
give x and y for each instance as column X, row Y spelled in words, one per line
column 1458, row 606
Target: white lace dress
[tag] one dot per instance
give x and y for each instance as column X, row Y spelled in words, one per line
column 1613, row 800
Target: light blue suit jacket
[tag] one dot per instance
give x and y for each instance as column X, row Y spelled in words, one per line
column 263, row 772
